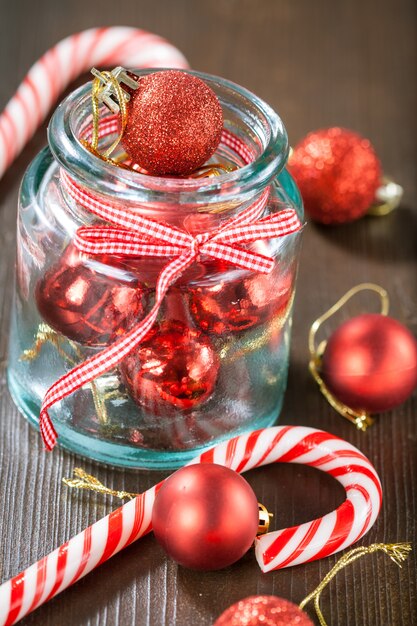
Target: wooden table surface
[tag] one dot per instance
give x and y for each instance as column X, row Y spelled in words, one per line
column 319, row 64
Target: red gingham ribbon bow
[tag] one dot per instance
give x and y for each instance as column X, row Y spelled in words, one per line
column 132, row 234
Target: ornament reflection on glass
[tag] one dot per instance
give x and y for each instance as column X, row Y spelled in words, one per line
column 90, row 301
column 340, row 177
column 238, row 305
column 368, row 365
column 174, row 369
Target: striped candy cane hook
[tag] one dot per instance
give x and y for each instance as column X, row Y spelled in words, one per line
column 48, row 77
column 283, row 548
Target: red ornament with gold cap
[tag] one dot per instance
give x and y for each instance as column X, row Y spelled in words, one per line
column 340, row 177
column 368, row 364
column 206, row 516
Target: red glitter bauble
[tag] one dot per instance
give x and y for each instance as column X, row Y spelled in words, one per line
column 263, row 611
column 205, row 516
column 232, row 306
column 174, row 369
column 89, row 301
column 338, row 173
column 370, row 363
column 174, row 123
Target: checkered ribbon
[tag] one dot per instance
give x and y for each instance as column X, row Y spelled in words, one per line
column 129, row 234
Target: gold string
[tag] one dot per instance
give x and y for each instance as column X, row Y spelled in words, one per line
column 45, row 334
column 86, row 481
column 397, row 552
column 361, row 419
column 96, row 90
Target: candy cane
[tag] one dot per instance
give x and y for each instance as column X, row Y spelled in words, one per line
column 291, row 546
column 48, row 77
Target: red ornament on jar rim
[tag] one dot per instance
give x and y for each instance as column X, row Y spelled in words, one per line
column 174, row 123
column 174, row 369
column 205, row 516
column 89, row 301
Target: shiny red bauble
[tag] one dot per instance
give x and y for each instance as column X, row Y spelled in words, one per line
column 263, row 611
column 87, row 300
column 174, row 369
column 338, row 173
column 370, row 363
column 233, row 306
column 174, row 123
column 205, row 516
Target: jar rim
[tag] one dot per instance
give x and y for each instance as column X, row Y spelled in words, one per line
column 133, row 186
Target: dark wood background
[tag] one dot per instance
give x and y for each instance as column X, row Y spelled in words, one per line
column 322, row 63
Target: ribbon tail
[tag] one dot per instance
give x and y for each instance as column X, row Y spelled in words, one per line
column 48, row 432
column 100, row 363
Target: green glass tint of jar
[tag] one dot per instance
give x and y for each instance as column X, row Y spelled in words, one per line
column 215, row 363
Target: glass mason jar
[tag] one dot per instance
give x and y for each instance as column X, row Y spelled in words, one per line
column 215, row 363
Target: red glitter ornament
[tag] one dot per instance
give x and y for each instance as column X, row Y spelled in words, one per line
column 174, row 369
column 370, row 363
column 232, row 306
column 338, row 174
column 263, row 611
column 87, row 300
column 205, row 516
column 174, row 123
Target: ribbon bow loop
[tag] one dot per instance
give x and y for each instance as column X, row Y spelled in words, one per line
column 139, row 236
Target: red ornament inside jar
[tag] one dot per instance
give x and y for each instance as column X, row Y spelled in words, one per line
column 90, row 301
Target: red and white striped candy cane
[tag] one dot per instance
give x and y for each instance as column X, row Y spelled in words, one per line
column 48, row 77
column 291, row 546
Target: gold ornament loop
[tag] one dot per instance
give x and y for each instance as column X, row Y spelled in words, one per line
column 397, row 552
column 101, row 84
column 361, row 419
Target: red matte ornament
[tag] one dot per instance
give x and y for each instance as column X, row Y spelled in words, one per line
column 205, row 516
column 263, row 611
column 174, row 369
column 88, row 306
column 370, row 363
column 338, row 174
column 174, row 123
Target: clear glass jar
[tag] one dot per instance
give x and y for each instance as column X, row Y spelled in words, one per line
column 215, row 364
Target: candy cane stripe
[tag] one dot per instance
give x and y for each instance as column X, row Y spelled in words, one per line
column 72, row 56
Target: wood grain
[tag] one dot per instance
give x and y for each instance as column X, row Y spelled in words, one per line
column 319, row 64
